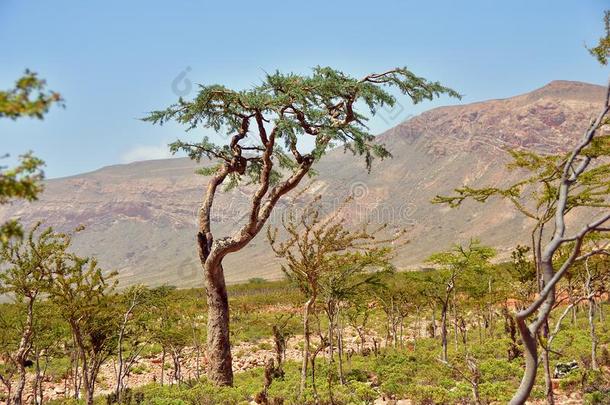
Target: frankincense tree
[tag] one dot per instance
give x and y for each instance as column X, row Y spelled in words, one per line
column 267, row 125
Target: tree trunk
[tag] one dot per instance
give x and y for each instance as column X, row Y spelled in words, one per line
column 38, row 389
column 528, row 336
column 491, row 308
column 340, row 346
column 25, row 345
column 177, row 366
column 362, row 339
column 90, row 397
column 548, row 383
column 118, row 390
column 546, row 364
column 475, row 394
column 593, row 334
column 444, row 333
column 220, row 370
column 455, row 321
column 306, row 338
column 401, row 328
column 18, row 394
column 531, row 364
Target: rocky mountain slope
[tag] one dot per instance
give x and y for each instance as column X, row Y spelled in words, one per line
column 140, row 217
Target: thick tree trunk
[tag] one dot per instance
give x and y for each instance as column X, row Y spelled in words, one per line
column 528, row 336
column 220, row 370
column 18, row 394
column 531, row 364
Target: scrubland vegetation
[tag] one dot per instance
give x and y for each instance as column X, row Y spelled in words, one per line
column 344, row 326
column 389, row 344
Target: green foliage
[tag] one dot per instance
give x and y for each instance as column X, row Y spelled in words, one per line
column 602, row 50
column 322, row 105
column 29, row 98
column 463, row 268
column 22, row 181
column 27, row 262
column 535, row 195
column 412, row 371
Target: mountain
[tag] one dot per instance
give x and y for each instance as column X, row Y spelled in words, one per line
column 140, row 218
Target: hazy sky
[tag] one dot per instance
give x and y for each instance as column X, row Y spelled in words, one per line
column 115, row 60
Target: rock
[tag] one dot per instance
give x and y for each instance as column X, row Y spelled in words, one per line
column 563, row 369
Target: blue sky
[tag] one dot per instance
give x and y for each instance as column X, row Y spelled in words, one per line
column 115, row 60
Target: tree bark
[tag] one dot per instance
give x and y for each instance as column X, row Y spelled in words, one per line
column 548, row 382
column 25, row 345
column 529, row 334
column 531, row 364
column 220, row 370
column 444, row 333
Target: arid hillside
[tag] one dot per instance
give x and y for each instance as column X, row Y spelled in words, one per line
column 140, row 217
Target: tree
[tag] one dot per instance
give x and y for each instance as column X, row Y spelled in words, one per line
column 396, row 298
column 470, row 373
column 317, row 249
column 29, row 98
column 283, row 109
column 594, row 276
column 557, row 185
column 357, row 315
column 26, row 266
column 49, row 333
column 171, row 330
column 350, row 274
column 82, row 293
column 440, row 285
column 131, row 338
